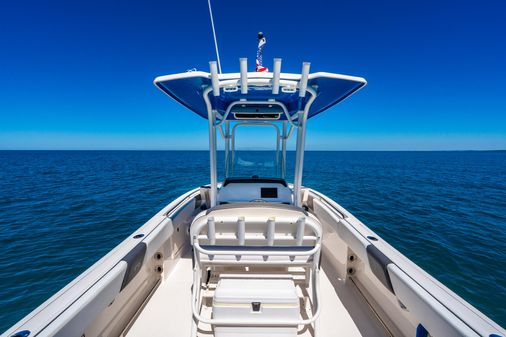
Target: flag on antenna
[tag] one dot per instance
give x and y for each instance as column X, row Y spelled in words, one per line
column 261, row 44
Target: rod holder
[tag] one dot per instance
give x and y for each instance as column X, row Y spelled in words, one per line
column 211, row 231
column 276, row 75
column 241, row 230
column 243, row 62
column 271, row 229
column 214, row 78
column 303, row 79
column 299, row 237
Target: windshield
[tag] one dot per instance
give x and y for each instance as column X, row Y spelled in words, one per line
column 263, row 164
column 255, row 149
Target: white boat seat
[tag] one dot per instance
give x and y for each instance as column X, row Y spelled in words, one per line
column 255, row 233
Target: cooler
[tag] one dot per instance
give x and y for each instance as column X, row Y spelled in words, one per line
column 257, row 299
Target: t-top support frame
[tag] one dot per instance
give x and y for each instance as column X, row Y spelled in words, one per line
column 298, row 120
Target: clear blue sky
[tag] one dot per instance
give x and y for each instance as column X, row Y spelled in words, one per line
column 78, row 74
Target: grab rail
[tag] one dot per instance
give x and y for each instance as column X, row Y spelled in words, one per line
column 234, row 252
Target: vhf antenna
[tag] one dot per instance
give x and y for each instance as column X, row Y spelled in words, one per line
column 214, row 34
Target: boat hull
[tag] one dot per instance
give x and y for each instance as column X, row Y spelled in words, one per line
column 402, row 299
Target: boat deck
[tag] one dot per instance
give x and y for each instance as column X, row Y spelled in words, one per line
column 168, row 311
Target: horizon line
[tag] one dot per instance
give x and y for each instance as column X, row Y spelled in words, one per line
column 259, row 150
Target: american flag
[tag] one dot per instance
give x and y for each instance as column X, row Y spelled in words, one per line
column 261, row 44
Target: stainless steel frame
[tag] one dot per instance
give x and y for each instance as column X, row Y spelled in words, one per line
column 298, row 121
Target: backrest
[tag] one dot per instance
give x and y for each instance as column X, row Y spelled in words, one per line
column 256, row 225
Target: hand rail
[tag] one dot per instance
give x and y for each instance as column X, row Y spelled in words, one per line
column 234, row 252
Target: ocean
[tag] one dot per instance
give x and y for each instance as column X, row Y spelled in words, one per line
column 60, row 211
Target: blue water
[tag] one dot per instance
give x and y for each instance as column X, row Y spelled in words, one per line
column 61, row 211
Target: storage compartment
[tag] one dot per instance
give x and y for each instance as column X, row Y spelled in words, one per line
column 256, row 300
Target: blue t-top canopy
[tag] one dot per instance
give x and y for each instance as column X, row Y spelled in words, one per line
column 189, row 88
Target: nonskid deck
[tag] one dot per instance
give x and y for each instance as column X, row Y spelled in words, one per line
column 168, row 312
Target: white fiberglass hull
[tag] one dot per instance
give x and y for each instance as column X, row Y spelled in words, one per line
column 143, row 286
